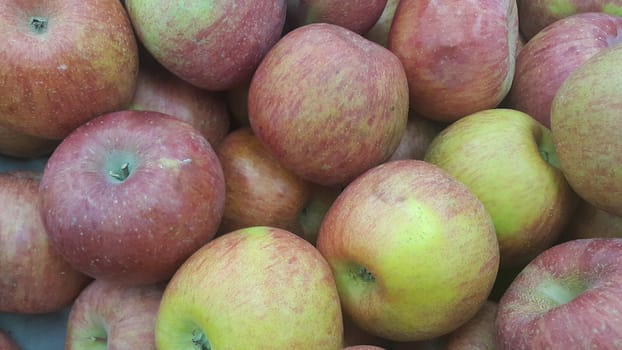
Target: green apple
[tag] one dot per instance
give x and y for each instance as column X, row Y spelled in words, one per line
column 586, row 120
column 507, row 159
column 255, row 288
column 413, row 251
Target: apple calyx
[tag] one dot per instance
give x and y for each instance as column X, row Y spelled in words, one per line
column 122, row 173
column 359, row 272
column 39, row 25
column 547, row 149
column 199, row 340
column 555, row 292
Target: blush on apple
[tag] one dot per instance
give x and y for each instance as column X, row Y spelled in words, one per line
column 34, row 277
column 128, row 196
column 63, row 63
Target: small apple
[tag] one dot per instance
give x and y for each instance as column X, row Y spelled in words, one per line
column 254, row 288
column 379, row 33
column 565, row 298
column 555, row 52
column 130, row 195
column 62, row 63
column 34, row 278
column 159, row 90
column 458, row 55
column 507, row 159
column 418, row 135
column 259, row 190
column 355, row 15
column 328, row 103
column 535, row 15
column 7, row 342
column 214, row 45
column 585, row 119
column 413, row 251
column 320, row 200
column 478, row 333
column 108, row 315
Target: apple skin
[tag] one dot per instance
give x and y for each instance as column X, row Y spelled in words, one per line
column 328, row 103
column 507, row 159
column 112, row 316
column 460, row 66
column 418, row 135
column 363, row 347
column 438, row 233
column 133, row 226
column 357, row 16
column 591, row 222
column 159, row 90
column 34, row 278
column 240, row 289
column 535, row 15
column 555, row 52
column 379, row 32
column 213, row 45
column 7, row 342
column 566, row 298
column 259, row 190
column 478, row 333
column 60, row 67
column 18, row 145
column 584, row 117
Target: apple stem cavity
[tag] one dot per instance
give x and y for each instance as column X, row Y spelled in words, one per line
column 557, row 293
column 122, row 173
column 199, row 340
column 39, row 25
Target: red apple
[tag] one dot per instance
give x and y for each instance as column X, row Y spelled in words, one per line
column 328, row 103
column 478, row 333
column 585, row 120
column 555, row 52
column 591, row 222
column 413, row 251
column 7, row 342
column 112, row 316
column 34, row 278
column 237, row 101
column 363, row 347
column 214, row 45
column 355, row 15
column 159, row 90
column 259, row 190
column 566, row 298
column 18, row 145
column 130, row 195
column 254, row 288
column 418, row 135
column 458, row 55
column 62, row 63
column 535, row 15
column 379, row 33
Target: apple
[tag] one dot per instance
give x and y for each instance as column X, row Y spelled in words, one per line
column 507, row 159
column 566, row 298
column 591, row 222
column 585, row 115
column 363, row 347
column 535, row 15
column 458, row 55
column 413, row 251
column 555, row 52
column 418, row 135
column 478, row 333
column 62, row 63
column 328, row 103
column 254, row 288
column 355, row 15
column 108, row 315
column 213, row 45
column 7, row 342
column 159, row 90
column 320, row 200
column 128, row 196
column 259, row 190
column 354, row 336
column 237, row 102
column 34, row 278
column 18, row 145
column 379, row 32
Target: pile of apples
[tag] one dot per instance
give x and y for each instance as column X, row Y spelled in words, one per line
column 314, row 174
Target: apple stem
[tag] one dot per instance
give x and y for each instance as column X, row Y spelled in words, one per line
column 200, row 340
column 122, row 174
column 39, row 24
